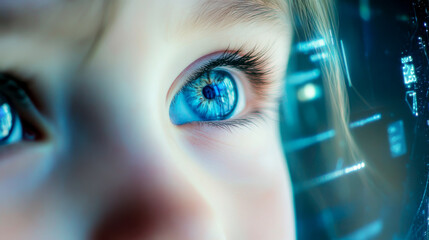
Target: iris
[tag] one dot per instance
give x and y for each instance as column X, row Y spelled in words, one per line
column 211, row 97
column 6, row 119
column 11, row 130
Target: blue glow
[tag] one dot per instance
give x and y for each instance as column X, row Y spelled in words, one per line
column 329, row 177
column 411, row 99
column 396, row 136
column 6, row 121
column 309, row 92
column 354, row 168
column 10, row 124
column 408, row 71
column 369, row 231
column 365, row 121
column 308, row 141
column 407, row 59
column 318, row 56
column 311, row 45
column 303, row 77
column 349, row 81
column 365, row 10
column 210, row 97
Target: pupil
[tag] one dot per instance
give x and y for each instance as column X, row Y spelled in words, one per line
column 209, row 92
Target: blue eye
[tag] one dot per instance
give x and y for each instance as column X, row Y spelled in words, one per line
column 211, row 97
column 10, row 124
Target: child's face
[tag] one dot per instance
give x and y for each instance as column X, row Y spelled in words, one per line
column 107, row 154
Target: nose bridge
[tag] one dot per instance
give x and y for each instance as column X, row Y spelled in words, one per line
column 120, row 90
column 116, row 101
column 118, row 117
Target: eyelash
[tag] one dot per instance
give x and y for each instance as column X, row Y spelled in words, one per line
column 254, row 65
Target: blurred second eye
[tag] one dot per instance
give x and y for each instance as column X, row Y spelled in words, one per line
column 10, row 124
column 20, row 120
column 213, row 96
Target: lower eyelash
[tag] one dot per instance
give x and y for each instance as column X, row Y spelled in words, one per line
column 252, row 120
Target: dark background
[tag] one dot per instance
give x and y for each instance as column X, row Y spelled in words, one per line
column 385, row 199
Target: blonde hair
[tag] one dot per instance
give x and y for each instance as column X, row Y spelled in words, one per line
column 317, row 18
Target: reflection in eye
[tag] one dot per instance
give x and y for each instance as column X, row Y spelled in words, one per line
column 10, row 124
column 213, row 96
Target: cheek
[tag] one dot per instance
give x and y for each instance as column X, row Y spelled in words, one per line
column 247, row 178
column 240, row 154
column 23, row 167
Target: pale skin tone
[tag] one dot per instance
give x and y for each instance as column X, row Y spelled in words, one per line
column 110, row 164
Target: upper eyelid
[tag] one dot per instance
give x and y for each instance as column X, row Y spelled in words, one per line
column 9, row 86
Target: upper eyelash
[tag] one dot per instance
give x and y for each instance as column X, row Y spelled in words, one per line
column 252, row 63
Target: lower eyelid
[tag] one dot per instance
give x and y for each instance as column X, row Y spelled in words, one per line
column 248, row 121
column 23, row 150
column 27, row 162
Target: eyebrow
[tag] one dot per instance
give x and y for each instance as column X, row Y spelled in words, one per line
column 226, row 13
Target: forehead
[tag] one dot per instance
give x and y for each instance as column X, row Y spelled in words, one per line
column 39, row 3
column 83, row 17
column 48, row 16
column 65, row 22
column 28, row 8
